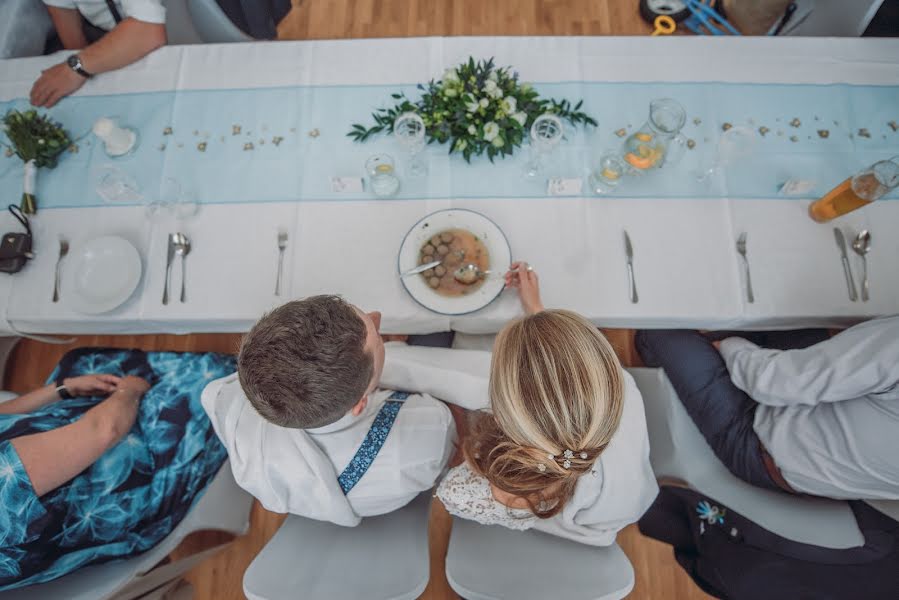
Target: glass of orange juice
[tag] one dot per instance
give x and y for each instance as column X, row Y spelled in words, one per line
column 855, row 192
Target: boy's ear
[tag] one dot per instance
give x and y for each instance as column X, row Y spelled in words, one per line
column 359, row 406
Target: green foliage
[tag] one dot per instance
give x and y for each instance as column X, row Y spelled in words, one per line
column 477, row 109
column 35, row 137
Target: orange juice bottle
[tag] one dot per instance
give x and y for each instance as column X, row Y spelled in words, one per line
column 862, row 189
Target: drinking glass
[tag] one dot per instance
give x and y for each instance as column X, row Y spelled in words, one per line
column 546, row 134
column 382, row 175
column 409, row 130
column 734, row 144
column 607, row 175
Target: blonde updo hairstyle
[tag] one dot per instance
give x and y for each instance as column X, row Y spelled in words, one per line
column 555, row 386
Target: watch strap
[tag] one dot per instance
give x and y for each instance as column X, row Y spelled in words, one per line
column 63, row 392
column 74, row 63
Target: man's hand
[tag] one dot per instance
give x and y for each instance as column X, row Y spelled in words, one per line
column 91, row 385
column 528, row 285
column 54, row 84
column 717, row 345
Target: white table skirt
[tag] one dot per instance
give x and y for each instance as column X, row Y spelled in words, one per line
column 687, row 271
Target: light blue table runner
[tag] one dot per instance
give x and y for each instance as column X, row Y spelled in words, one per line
column 276, row 157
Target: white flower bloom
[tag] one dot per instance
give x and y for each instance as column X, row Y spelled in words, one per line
column 472, row 129
column 492, row 76
column 41, row 141
column 450, row 92
column 498, row 142
column 521, row 117
column 450, row 76
column 490, row 87
column 510, row 104
column 497, row 93
column 484, row 102
column 471, row 104
column 491, row 130
column 461, row 145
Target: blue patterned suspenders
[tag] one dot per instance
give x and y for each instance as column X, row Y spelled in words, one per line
column 373, row 442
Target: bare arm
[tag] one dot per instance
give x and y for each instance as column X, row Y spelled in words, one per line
column 52, row 458
column 86, row 385
column 129, row 41
column 67, row 22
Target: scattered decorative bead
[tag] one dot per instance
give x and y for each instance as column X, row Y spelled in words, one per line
column 277, row 140
column 248, row 146
column 9, row 152
column 894, row 126
column 763, row 131
column 235, row 130
column 314, row 133
column 864, row 133
column 161, row 147
column 726, row 126
column 795, row 122
column 201, row 146
column 621, row 132
column 691, row 144
column 823, row 133
column 697, row 121
column 73, row 148
column 793, row 138
column 167, row 131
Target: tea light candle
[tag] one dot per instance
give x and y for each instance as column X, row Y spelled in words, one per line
column 118, row 140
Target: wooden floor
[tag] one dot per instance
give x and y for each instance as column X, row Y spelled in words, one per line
column 658, row 575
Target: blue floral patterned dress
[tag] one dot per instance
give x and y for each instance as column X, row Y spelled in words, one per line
column 136, row 493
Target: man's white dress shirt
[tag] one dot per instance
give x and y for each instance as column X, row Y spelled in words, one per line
column 98, row 13
column 296, row 470
column 828, row 414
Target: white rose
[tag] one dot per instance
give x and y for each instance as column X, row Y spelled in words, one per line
column 498, row 142
column 490, row 87
column 450, row 76
column 484, row 102
column 492, row 76
column 471, row 104
column 497, row 93
column 491, row 130
column 510, row 104
column 521, row 117
column 472, row 129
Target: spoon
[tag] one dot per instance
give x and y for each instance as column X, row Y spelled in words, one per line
column 182, row 249
column 861, row 245
column 470, row 273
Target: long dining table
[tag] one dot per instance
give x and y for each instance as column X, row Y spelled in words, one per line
column 255, row 134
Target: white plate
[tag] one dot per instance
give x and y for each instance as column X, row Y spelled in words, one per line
column 102, row 275
column 486, row 230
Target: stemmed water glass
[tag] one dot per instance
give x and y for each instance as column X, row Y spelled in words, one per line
column 546, row 134
column 409, row 130
column 734, row 144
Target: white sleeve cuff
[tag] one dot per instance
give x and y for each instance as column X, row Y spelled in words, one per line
column 148, row 11
column 732, row 346
column 61, row 3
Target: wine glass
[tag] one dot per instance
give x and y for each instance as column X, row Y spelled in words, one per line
column 115, row 186
column 546, row 134
column 409, row 130
column 734, row 144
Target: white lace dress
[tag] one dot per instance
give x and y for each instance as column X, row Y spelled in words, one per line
column 466, row 494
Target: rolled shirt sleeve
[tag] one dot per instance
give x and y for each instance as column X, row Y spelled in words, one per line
column 148, row 11
column 96, row 11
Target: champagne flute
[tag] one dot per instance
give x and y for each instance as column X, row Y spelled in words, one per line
column 409, row 130
column 546, row 134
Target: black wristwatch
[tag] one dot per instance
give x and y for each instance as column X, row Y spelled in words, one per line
column 63, row 392
column 74, row 62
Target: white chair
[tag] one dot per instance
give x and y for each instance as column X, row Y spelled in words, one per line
column 491, row 562
column 678, row 450
column 212, row 24
column 223, row 507
column 384, row 557
column 24, row 27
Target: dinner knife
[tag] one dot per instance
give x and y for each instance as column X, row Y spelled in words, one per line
column 629, row 253
column 170, row 256
column 422, row 268
column 841, row 244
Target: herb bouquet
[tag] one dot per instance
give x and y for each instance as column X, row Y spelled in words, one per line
column 477, row 108
column 38, row 141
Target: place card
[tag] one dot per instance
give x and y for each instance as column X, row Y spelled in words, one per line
column 558, row 186
column 346, row 185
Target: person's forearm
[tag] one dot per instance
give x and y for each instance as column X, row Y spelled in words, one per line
column 52, row 458
column 30, row 401
column 67, row 22
column 128, row 42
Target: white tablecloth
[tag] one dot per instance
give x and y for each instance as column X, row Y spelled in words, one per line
column 687, row 271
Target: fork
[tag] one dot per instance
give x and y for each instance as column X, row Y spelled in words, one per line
column 63, row 250
column 282, row 245
column 741, row 249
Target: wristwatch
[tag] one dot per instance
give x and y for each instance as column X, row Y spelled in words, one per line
column 74, row 62
column 63, row 392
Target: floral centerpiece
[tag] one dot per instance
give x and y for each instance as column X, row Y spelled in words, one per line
column 476, row 108
column 38, row 141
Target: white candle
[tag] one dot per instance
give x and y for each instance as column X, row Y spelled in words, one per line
column 118, row 140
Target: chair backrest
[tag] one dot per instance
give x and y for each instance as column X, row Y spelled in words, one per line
column 212, row 24
column 490, row 562
column 24, row 26
column 223, row 506
column 383, row 558
column 678, row 450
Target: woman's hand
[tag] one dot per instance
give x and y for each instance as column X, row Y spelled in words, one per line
column 134, row 385
column 91, row 385
column 120, row 409
column 528, row 284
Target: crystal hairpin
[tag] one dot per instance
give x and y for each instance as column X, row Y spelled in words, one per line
column 566, row 464
column 541, row 467
column 568, row 454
